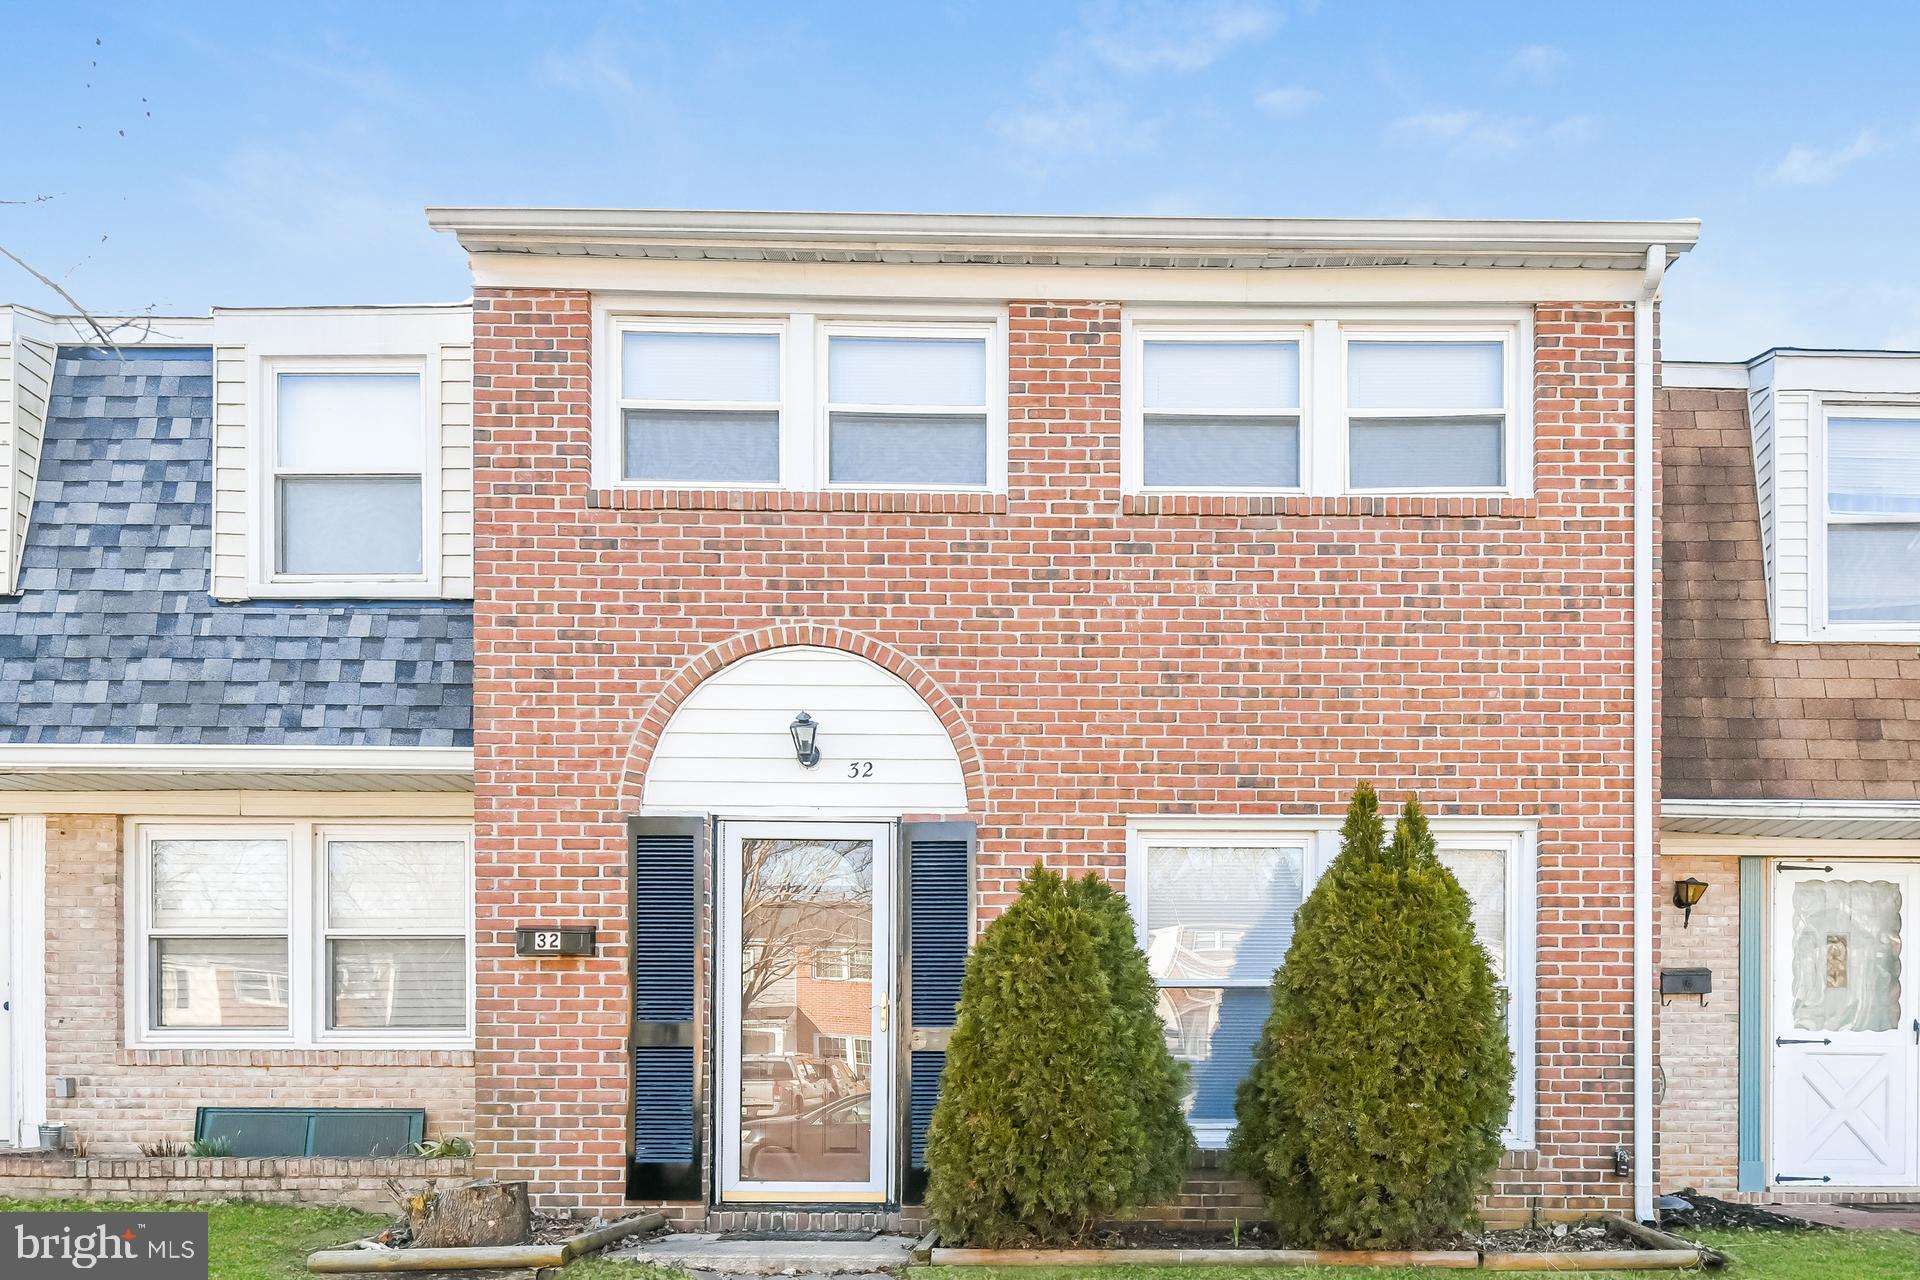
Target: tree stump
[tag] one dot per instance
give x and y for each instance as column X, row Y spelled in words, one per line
column 471, row 1215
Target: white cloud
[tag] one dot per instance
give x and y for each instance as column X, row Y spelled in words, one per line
column 1286, row 101
column 1470, row 132
column 1154, row 35
column 1805, row 166
column 1537, row 62
column 1074, row 128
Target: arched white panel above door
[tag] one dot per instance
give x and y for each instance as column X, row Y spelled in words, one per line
column 728, row 751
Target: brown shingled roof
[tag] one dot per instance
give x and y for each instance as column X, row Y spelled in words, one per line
column 1743, row 717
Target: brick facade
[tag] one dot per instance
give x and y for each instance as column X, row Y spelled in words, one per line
column 1699, row 1127
column 126, row 1097
column 1103, row 659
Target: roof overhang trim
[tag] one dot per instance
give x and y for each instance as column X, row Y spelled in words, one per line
column 1796, row 819
column 1023, row 240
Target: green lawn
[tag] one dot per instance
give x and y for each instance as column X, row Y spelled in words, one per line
column 271, row 1242
column 1778, row 1255
column 246, row 1241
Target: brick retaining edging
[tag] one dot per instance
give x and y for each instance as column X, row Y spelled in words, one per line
column 360, row 1184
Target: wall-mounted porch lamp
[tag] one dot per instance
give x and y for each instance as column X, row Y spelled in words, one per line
column 1686, row 895
column 804, row 729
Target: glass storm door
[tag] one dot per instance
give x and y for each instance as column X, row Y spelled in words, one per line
column 1846, row 1015
column 805, row 1066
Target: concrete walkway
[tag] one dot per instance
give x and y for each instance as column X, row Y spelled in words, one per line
column 704, row 1254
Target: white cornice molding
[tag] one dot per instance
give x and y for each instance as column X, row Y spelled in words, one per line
column 1056, row 240
column 144, row 758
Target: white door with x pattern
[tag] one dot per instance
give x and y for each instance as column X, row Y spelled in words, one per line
column 1846, row 1025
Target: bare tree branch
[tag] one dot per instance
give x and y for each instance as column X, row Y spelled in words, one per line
column 106, row 338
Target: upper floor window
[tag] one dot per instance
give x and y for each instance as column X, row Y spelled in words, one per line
column 806, row 402
column 1328, row 407
column 1426, row 414
column 1873, row 516
column 349, row 456
column 1220, row 412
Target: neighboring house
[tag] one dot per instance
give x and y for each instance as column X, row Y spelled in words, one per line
column 1130, row 545
column 1792, row 774
column 235, row 720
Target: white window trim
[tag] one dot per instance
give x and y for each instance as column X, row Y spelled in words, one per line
column 306, row 933
column 1825, row 628
column 991, row 335
column 264, row 544
column 1133, row 399
column 803, row 334
column 1323, row 385
column 1519, row 838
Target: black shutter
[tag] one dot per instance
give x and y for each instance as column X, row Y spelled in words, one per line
column 939, row 862
column 669, row 864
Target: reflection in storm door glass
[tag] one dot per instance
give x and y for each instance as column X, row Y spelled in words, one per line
column 806, row 906
column 1846, row 955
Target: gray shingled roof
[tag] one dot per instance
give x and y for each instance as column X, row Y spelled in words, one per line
column 113, row 637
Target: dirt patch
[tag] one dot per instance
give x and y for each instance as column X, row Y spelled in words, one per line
column 1724, row 1215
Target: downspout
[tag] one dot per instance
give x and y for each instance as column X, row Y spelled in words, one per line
column 1643, row 730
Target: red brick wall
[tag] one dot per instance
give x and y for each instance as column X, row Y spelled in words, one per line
column 1108, row 660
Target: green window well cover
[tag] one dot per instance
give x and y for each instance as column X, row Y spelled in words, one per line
column 336, row 1132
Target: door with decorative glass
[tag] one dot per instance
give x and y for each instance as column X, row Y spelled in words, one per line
column 805, row 967
column 1846, row 1018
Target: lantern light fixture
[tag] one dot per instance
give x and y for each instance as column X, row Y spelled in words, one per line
column 1686, row 895
column 804, row 730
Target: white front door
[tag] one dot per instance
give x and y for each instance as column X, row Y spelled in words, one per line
column 805, row 1068
column 1846, row 1018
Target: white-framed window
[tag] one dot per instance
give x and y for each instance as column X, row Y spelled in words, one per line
column 1872, row 518
column 802, row 401
column 855, row 1051
column 299, row 934
column 843, row 964
column 348, row 453
column 1429, row 411
column 1215, row 903
column 1220, row 410
column 1328, row 406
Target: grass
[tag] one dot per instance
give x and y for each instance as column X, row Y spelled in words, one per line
column 245, row 1241
column 251, row 1241
column 1759, row 1255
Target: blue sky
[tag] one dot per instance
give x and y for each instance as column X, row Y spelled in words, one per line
column 276, row 154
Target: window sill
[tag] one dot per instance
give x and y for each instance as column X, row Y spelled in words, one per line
column 1436, row 506
column 237, row 1057
column 638, row 499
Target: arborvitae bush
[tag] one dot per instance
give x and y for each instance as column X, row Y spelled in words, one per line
column 1059, row 1105
column 1372, row 1115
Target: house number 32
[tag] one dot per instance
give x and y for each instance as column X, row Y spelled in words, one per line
column 860, row 769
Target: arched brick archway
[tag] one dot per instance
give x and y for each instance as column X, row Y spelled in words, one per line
column 646, row 735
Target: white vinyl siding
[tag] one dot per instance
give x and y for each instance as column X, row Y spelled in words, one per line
column 299, row 934
column 435, row 344
column 26, row 384
column 801, row 401
column 727, row 749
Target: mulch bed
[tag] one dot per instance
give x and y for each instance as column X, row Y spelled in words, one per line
column 1723, row 1215
column 1547, row 1238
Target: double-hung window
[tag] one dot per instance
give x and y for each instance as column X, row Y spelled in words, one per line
column 1215, row 911
column 700, row 405
column 906, row 408
column 1427, row 413
column 349, row 457
column 804, row 402
column 1220, row 411
column 1873, row 515
column 300, row 934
